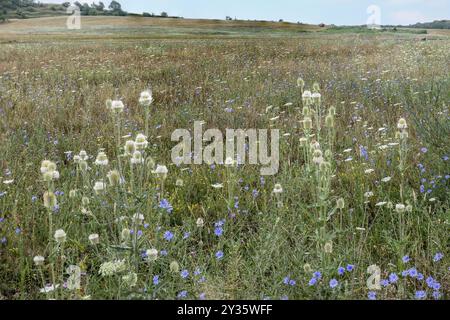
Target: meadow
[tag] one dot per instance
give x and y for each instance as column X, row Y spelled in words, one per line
column 93, row 207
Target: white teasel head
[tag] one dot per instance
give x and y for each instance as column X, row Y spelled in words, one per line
column 38, row 260
column 60, row 236
column 200, row 223
column 137, row 158
column 146, row 98
column 161, row 171
column 152, row 254
column 99, row 187
column 230, row 162
column 400, row 208
column 130, row 147
column 48, row 170
column 277, row 189
column 94, row 238
column 102, row 159
column 116, row 106
column 402, row 125
column 141, row 142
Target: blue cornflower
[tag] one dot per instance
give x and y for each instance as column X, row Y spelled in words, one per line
column 202, row 296
column 393, row 278
column 413, row 272
column 363, row 153
column 317, row 275
column 219, row 255
column 405, row 273
column 422, row 188
column 197, row 272
column 286, row 280
column 33, row 198
column 350, row 267
column 3, row 240
column 406, row 259
column 168, row 235
column 163, row 252
column 219, row 223
column 341, row 271
column 372, row 295
column 312, row 282
column 184, row 273
column 156, row 280
column 333, row 283
column 186, row 235
column 424, row 150
column 420, row 276
column 17, row 231
column 384, row 282
column 292, row 282
column 255, row 193
column 430, row 282
column 436, row 295
column 436, row 285
column 420, row 294
column 218, row 231
column 285, row 297
column 164, row 204
column 182, row 294
column 438, row 257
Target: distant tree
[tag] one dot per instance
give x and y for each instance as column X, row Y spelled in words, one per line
column 228, row 18
column 66, row 4
column 164, row 14
column 281, row 20
column 146, row 14
column 115, row 6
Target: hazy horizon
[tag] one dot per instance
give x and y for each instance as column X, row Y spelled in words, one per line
column 339, row 12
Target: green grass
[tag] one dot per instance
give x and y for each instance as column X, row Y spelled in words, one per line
column 54, row 85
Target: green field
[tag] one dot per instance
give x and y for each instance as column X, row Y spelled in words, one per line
column 361, row 191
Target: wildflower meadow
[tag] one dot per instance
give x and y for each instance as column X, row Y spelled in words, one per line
column 100, row 199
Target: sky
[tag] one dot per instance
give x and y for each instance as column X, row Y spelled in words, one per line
column 339, row 12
